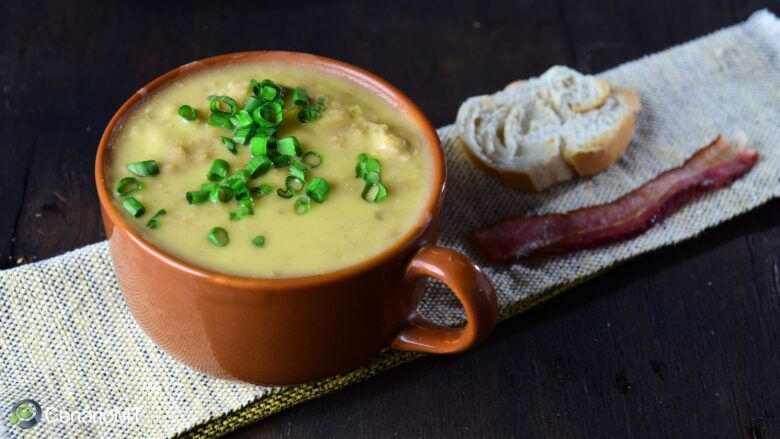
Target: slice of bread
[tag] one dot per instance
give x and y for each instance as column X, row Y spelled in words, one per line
column 548, row 129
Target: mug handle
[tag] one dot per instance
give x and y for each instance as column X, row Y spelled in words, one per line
column 472, row 287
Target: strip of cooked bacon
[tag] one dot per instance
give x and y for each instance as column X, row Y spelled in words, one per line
column 713, row 166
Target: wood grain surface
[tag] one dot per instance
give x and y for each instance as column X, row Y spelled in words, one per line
column 679, row 343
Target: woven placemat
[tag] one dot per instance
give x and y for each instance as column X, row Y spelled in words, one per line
column 68, row 341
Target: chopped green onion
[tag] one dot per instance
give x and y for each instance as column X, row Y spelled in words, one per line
column 293, row 183
column 288, row 146
column 229, row 144
column 279, row 160
column 268, row 115
column 154, row 222
column 374, row 192
column 240, row 213
column 368, row 169
column 360, row 168
column 313, row 159
column 252, row 102
column 298, row 170
column 312, row 113
column 188, row 112
column 247, row 201
column 318, row 189
column 266, row 89
column 219, row 237
column 372, row 167
column 197, row 197
column 144, row 168
column 216, row 105
column 209, row 187
column 133, row 207
column 221, row 194
column 259, row 241
column 266, row 189
column 220, row 120
column 243, row 134
column 266, row 131
column 373, row 177
column 219, row 170
column 300, row 97
column 258, row 166
column 240, row 176
column 259, row 145
column 127, row 186
column 242, row 119
column 302, row 205
column 285, row 193
column 244, row 195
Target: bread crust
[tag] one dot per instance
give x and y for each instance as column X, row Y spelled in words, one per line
column 590, row 160
column 601, row 153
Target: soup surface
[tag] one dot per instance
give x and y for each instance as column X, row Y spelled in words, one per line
column 278, row 238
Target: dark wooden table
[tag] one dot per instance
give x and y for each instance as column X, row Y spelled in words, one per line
column 679, row 343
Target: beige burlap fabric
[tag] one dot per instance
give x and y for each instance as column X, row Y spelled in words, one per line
column 68, row 341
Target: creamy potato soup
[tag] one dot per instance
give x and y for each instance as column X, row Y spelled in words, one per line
column 204, row 170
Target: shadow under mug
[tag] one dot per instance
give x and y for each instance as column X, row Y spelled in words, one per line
column 287, row 331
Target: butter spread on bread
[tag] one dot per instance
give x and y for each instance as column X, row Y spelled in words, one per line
column 548, row 129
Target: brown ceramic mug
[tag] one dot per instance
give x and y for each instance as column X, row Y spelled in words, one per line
column 285, row 331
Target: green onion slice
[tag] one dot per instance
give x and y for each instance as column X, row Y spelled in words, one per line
column 360, row 168
column 209, row 187
column 247, row 201
column 264, row 189
column 127, row 186
column 224, row 105
column 300, row 97
column 298, row 170
column 258, row 166
column 240, row 213
column 229, row 144
column 266, row 89
column 221, row 194
column 219, row 170
column 259, row 241
column 259, row 145
column 133, row 207
column 302, row 205
column 374, row 192
column 197, row 197
column 188, row 112
column 238, row 180
column 293, row 183
column 144, row 168
column 318, row 190
column 243, row 119
column 154, row 221
column 220, row 120
column 251, row 103
column 268, row 115
column 312, row 113
column 372, row 177
column 289, row 146
column 219, row 237
column 285, row 193
column 312, row 159
column 279, row 160
column 243, row 134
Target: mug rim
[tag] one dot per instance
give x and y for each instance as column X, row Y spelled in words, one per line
column 361, row 77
